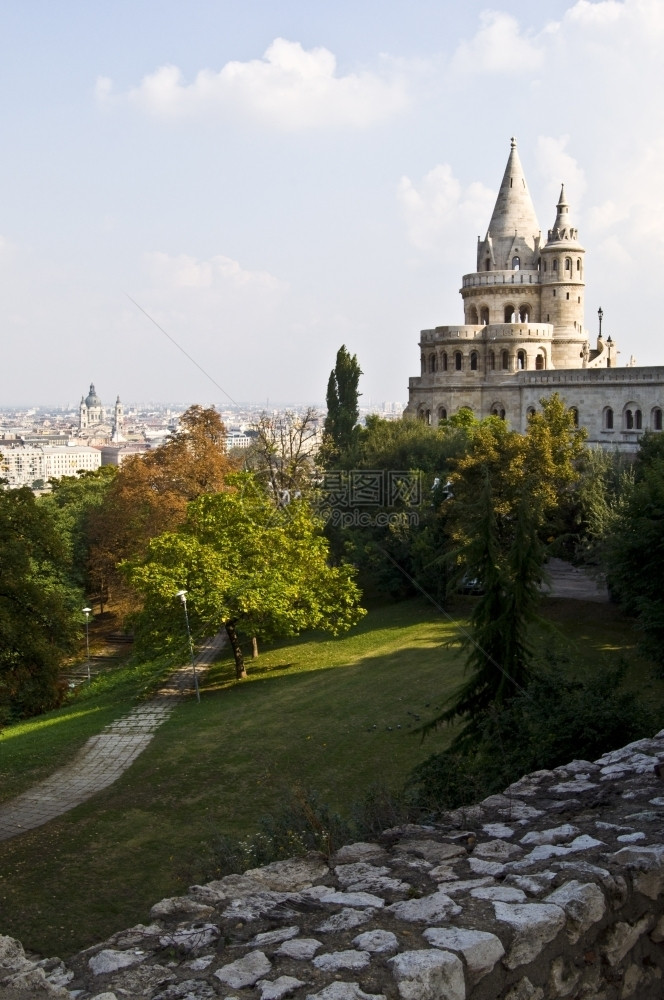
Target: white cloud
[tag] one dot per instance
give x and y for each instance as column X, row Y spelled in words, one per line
column 183, row 271
column 441, row 211
column 290, row 88
column 557, row 167
column 500, row 46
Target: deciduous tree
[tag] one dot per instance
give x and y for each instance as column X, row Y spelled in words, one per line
column 246, row 566
column 38, row 625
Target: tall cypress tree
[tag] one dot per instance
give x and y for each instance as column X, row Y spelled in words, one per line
column 342, row 401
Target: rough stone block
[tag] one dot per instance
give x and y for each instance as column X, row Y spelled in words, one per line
column 428, row 909
column 480, row 949
column 377, row 941
column 622, row 937
column 333, row 961
column 429, row 975
column 534, row 925
column 245, row 971
column 584, row 905
column 108, row 960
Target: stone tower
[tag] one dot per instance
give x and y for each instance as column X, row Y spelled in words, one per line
column 523, row 317
column 562, row 289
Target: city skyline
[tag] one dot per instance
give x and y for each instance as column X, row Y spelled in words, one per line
column 261, row 185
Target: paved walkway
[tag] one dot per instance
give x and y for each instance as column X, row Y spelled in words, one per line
column 572, row 582
column 103, row 758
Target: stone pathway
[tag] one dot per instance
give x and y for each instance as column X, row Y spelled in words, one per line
column 103, row 758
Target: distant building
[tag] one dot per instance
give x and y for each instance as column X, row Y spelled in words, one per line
column 91, row 412
column 116, row 453
column 523, row 335
column 24, row 465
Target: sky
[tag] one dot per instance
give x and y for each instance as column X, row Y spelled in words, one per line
column 202, row 201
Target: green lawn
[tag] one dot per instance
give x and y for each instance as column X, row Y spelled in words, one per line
column 333, row 714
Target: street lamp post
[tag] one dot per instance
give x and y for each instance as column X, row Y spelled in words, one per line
column 182, row 594
column 87, row 612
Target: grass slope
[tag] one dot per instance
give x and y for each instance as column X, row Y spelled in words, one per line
column 332, row 714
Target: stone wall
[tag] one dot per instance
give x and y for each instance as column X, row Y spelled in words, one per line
column 552, row 889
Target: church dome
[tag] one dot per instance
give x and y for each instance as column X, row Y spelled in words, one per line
column 92, row 399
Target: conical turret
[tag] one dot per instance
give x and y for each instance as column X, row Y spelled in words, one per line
column 512, row 239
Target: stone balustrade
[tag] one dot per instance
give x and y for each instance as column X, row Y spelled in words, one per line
column 480, row 278
column 554, row 888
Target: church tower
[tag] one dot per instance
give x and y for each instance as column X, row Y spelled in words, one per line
column 118, row 422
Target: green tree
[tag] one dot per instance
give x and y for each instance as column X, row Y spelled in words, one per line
column 37, row 606
column 150, row 494
column 506, row 491
column 342, row 403
column 636, row 548
column 72, row 502
column 247, row 566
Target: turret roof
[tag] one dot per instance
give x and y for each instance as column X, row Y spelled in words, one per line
column 514, row 212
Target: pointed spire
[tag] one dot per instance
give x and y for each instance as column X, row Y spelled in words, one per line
column 513, row 236
column 514, row 212
column 562, row 227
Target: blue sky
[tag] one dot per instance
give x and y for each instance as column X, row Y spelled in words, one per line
column 270, row 180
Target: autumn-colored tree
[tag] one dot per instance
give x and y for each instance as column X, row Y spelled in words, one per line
column 151, row 492
column 246, row 566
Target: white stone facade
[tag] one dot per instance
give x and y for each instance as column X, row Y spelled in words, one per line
column 523, row 335
column 26, row 464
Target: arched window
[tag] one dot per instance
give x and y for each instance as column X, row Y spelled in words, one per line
column 524, row 314
column 510, row 315
column 498, row 410
column 492, row 361
column 520, row 360
column 629, row 420
column 544, row 265
column 568, row 264
column 484, row 316
column 608, row 419
column 427, row 417
column 657, row 419
column 575, row 415
column 487, row 264
column 423, row 362
column 578, row 263
column 638, row 420
column 442, row 413
column 444, row 361
column 474, row 361
column 458, row 361
column 505, row 361
column 433, row 363
column 540, row 362
column 554, row 266
column 473, row 316
column 516, row 263
column 421, row 415
column 530, row 412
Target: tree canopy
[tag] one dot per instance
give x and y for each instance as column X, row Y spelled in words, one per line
column 506, row 491
column 38, row 625
column 247, row 566
column 150, row 493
